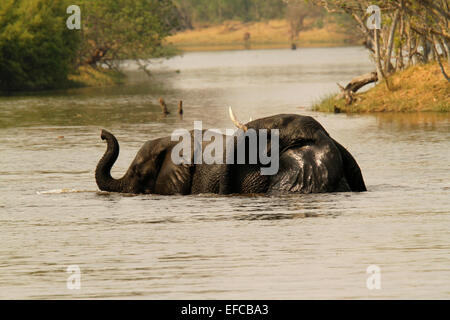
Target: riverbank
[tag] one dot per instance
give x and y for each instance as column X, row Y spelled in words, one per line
column 87, row 76
column 418, row 88
column 84, row 76
column 271, row 34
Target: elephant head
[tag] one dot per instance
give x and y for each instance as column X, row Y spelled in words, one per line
column 310, row 161
column 151, row 171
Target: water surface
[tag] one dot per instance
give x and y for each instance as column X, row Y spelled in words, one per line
column 195, row 247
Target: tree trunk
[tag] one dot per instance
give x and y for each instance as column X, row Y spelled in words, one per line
column 447, row 49
column 380, row 73
column 439, row 60
column 390, row 44
column 399, row 63
column 425, row 48
column 377, row 54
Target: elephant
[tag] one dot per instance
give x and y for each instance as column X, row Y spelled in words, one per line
column 310, row 161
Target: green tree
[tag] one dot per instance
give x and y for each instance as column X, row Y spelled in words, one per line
column 37, row 50
column 119, row 29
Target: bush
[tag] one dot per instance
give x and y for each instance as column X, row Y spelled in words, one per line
column 37, row 50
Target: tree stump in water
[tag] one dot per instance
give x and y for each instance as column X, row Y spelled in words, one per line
column 180, row 108
column 163, row 106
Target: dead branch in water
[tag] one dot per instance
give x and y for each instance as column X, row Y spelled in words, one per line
column 348, row 92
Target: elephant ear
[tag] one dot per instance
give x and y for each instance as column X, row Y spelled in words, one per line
column 352, row 171
column 297, row 130
column 146, row 165
column 244, row 178
column 293, row 131
column 172, row 178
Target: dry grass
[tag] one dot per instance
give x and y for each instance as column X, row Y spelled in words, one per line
column 87, row 76
column 418, row 88
column 268, row 34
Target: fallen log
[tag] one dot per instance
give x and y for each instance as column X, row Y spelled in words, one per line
column 354, row 85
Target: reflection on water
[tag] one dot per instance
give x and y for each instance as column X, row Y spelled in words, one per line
column 418, row 120
column 208, row 246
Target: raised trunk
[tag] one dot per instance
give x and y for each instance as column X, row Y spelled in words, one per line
column 103, row 171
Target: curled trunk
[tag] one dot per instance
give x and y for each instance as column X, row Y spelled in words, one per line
column 103, row 171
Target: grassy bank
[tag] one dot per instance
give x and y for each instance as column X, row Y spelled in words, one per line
column 418, row 88
column 84, row 76
column 269, row 34
column 87, row 76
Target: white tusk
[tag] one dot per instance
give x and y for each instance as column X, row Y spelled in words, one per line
column 250, row 120
column 235, row 121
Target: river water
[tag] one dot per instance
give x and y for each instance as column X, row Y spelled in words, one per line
column 290, row 247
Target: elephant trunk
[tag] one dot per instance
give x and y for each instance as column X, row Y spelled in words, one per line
column 103, row 171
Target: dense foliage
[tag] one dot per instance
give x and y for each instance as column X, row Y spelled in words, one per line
column 120, row 29
column 36, row 49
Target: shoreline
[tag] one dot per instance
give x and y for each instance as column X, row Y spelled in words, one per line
column 257, row 46
column 87, row 76
column 432, row 95
column 271, row 34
